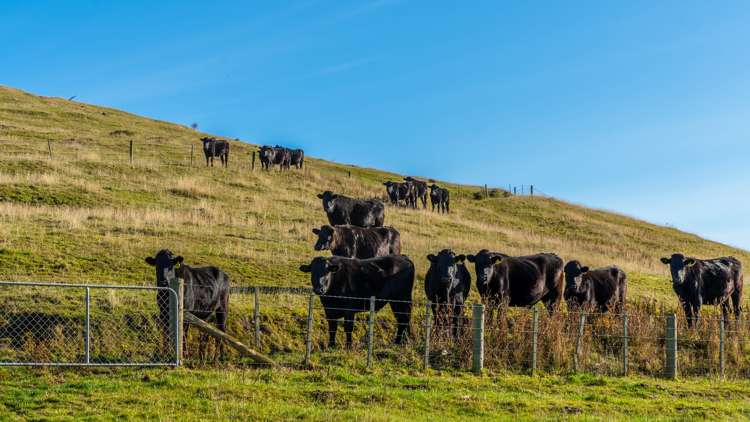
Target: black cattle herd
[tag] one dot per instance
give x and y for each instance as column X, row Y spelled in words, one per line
column 367, row 262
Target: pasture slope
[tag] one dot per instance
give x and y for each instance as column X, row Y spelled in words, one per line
column 74, row 208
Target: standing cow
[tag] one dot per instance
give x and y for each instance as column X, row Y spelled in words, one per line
column 440, row 197
column 206, row 293
column 447, row 286
column 267, row 157
column 283, row 157
column 420, row 190
column 700, row 282
column 358, row 242
column 216, row 148
column 401, row 191
column 342, row 210
column 519, row 281
column 345, row 286
column 601, row 289
column 297, row 158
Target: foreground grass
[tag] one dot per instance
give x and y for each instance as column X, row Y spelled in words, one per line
column 343, row 394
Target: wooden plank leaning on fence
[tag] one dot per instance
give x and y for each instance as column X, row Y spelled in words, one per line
column 231, row 341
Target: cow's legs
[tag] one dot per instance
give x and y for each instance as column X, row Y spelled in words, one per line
column 348, row 328
column 689, row 313
column 332, row 327
column 736, row 300
column 457, row 319
column 221, row 324
column 725, row 309
column 402, row 312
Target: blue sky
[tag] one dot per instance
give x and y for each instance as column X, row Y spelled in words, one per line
column 640, row 107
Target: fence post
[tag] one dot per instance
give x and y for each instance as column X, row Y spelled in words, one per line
column 534, row 336
column 308, row 335
column 514, row 190
column 486, row 191
column 49, row 147
column 370, row 326
column 531, row 190
column 478, row 351
column 579, row 339
column 131, row 152
column 256, row 316
column 722, row 335
column 427, row 335
column 87, row 335
column 625, row 345
column 176, row 317
column 350, row 174
column 192, row 152
column 671, row 344
column 253, row 162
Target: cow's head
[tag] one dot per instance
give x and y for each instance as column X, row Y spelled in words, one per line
column 574, row 275
column 484, row 264
column 325, row 238
column 328, row 200
column 678, row 266
column 445, row 266
column 207, row 143
column 266, row 152
column 391, row 188
column 321, row 274
column 433, row 188
column 164, row 262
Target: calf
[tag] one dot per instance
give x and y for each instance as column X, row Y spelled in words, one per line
column 358, row 242
column 216, row 148
column 600, row 289
column 706, row 282
column 297, row 158
column 345, row 286
column 420, row 188
column 440, row 197
column 342, row 210
column 206, row 293
column 519, row 281
column 447, row 286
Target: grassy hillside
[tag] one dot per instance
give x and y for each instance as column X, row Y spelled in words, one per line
column 87, row 214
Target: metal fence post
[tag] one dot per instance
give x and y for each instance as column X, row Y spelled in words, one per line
column 87, row 337
column 534, row 337
column 478, row 351
column 625, row 345
column 256, row 316
column 671, row 345
column 308, row 335
column 370, row 326
column 427, row 335
column 722, row 334
column 176, row 317
column 579, row 340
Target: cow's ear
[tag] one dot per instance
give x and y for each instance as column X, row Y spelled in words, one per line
column 584, row 270
column 320, row 195
column 666, row 260
column 689, row 261
column 431, row 258
column 460, row 258
column 150, row 261
column 495, row 259
column 304, row 268
column 316, row 231
column 177, row 260
column 385, row 183
column 471, row 258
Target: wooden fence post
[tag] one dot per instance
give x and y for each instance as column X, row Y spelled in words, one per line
column 370, row 327
column 256, row 316
column 534, row 337
column 252, row 167
column 308, row 334
column 671, row 345
column 625, row 345
column 579, row 340
column 478, row 343
column 192, row 153
column 722, row 334
column 514, row 190
column 49, row 147
column 131, row 152
column 176, row 316
column 427, row 335
column 531, row 190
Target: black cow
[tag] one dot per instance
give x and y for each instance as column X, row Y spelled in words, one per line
column 519, row 281
column 358, row 242
column 601, row 289
column 420, row 188
column 206, row 293
column 267, row 157
column 706, row 282
column 297, row 158
column 401, row 191
column 342, row 210
column 345, row 286
column 271, row 156
column 283, row 157
column 213, row 147
column 447, row 286
column 441, row 198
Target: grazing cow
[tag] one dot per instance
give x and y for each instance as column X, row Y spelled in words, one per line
column 213, row 147
column 521, row 281
column 206, row 293
column 420, row 190
column 342, row 210
column 401, row 191
column 358, row 242
column 441, row 198
column 706, row 282
column 297, row 158
column 447, row 286
column 345, row 286
column 600, row 289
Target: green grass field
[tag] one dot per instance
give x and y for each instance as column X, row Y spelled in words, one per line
column 74, row 208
